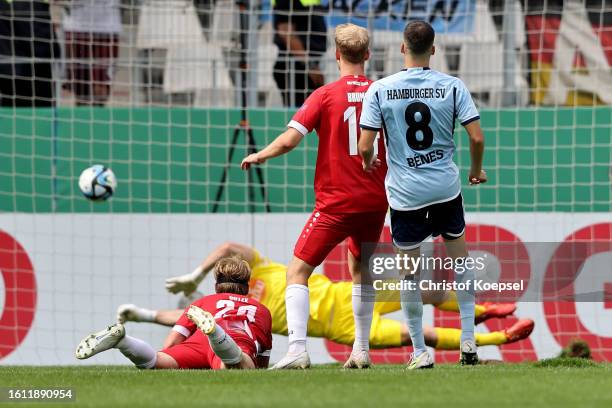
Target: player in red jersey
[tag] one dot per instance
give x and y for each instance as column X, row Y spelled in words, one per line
column 349, row 203
column 224, row 330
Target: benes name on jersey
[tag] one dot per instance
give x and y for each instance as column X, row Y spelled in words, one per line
column 422, row 159
column 415, row 93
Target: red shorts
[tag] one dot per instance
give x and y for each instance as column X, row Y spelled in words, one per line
column 323, row 232
column 195, row 352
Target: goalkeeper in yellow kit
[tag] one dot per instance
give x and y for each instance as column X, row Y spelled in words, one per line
column 331, row 314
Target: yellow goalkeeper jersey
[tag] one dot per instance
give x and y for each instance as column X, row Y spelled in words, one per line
column 268, row 283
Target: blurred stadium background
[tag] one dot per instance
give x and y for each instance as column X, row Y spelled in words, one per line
column 170, row 124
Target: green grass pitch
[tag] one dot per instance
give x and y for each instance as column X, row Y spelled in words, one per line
column 546, row 384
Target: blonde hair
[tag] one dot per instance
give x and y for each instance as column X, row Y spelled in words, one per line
column 232, row 276
column 353, row 42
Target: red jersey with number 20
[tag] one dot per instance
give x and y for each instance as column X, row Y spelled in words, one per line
column 237, row 314
column 341, row 185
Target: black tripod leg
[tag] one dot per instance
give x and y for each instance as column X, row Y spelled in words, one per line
column 262, row 188
column 251, row 192
column 226, row 169
column 258, row 170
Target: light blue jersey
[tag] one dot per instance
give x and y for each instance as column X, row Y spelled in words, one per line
column 417, row 109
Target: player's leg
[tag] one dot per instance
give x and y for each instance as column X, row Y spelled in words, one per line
column 165, row 361
column 412, row 306
column 340, row 323
column 435, row 337
column 450, row 339
column 222, row 344
column 367, row 230
column 446, row 300
column 246, row 363
column 456, row 248
column 387, row 333
column 409, row 229
column 429, row 333
column 137, row 351
column 362, row 300
column 448, row 219
column 319, row 236
column 297, row 303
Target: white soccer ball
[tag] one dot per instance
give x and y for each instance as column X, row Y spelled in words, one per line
column 97, row 183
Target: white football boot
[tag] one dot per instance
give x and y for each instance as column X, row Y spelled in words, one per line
column 359, row 359
column 101, row 341
column 293, row 361
column 468, row 354
column 203, row 319
column 421, row 361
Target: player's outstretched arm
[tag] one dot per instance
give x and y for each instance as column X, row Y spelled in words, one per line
column 477, row 174
column 284, row 143
column 188, row 283
column 366, row 150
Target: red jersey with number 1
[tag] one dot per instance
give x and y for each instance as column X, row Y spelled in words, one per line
column 237, row 314
column 341, row 185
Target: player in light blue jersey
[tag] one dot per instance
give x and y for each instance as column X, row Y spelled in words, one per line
column 417, row 108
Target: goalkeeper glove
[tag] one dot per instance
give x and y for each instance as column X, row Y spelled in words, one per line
column 187, row 283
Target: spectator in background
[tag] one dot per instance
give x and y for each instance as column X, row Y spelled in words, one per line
column 27, row 51
column 301, row 37
column 205, row 10
column 91, row 30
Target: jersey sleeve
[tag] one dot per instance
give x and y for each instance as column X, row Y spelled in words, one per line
column 464, row 105
column 184, row 326
column 371, row 114
column 308, row 116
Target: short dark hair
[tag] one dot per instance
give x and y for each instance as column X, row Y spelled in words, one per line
column 419, row 37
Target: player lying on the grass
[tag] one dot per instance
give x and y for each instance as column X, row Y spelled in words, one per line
column 224, row 330
column 331, row 314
